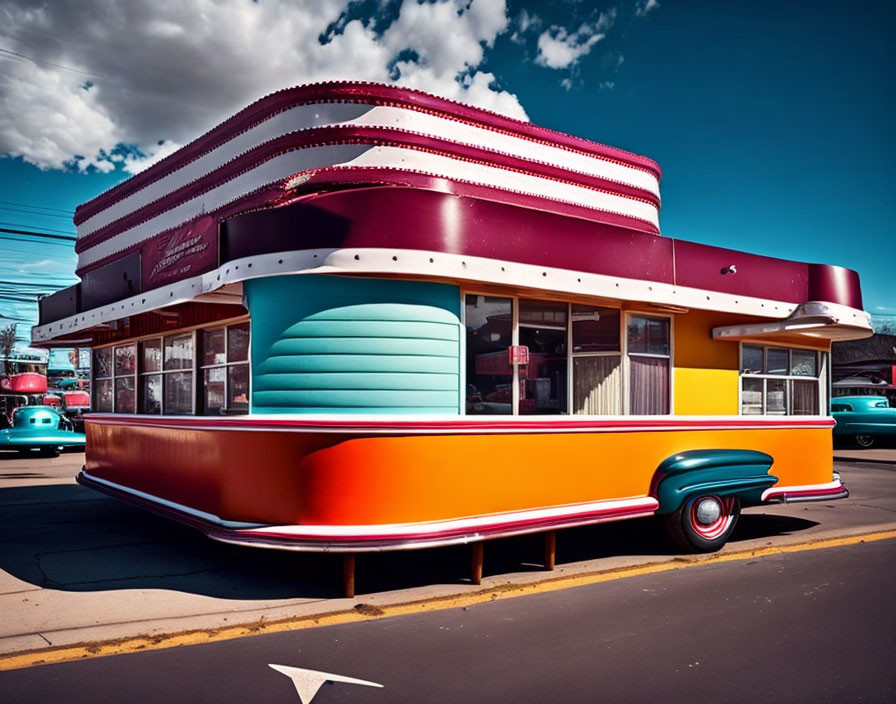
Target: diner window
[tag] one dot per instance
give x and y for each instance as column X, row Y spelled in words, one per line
column 649, row 359
column 489, row 333
column 225, row 369
column 781, row 381
column 114, row 373
column 596, row 361
column 568, row 358
column 160, row 375
column 177, row 374
column 151, row 376
column 543, row 381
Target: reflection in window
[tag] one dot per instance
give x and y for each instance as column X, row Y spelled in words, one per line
column 103, row 392
column 751, row 360
column 489, row 327
column 151, row 393
column 178, row 393
column 179, row 351
column 542, row 328
column 114, row 377
column 751, row 397
column 225, row 369
column 777, row 361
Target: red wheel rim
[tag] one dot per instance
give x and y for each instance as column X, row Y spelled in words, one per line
column 718, row 527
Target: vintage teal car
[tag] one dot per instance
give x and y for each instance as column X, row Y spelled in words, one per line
column 865, row 419
column 40, row 429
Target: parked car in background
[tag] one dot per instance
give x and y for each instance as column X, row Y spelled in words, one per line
column 40, row 429
column 865, row 419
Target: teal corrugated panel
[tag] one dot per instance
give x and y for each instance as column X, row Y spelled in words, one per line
column 378, row 329
column 367, row 345
column 352, row 380
column 366, row 363
column 335, row 399
column 354, row 345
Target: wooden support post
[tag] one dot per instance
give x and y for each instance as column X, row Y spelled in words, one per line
column 476, row 576
column 550, row 549
column 348, row 575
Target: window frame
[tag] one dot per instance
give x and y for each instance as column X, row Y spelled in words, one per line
column 624, row 314
column 639, row 313
column 195, row 369
column 225, row 365
column 822, row 379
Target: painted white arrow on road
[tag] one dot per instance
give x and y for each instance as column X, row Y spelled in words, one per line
column 307, row 682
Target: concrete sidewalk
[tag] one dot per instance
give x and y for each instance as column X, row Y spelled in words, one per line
column 78, row 567
column 886, row 455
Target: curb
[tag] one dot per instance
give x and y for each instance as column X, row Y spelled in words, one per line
column 368, row 612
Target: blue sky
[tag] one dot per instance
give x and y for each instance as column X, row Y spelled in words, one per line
column 772, row 121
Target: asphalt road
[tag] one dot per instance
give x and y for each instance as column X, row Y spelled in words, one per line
column 76, row 566
column 808, row 626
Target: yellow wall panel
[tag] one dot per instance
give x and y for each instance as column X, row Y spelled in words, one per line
column 706, row 392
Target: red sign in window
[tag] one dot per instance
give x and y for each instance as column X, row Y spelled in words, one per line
column 518, row 354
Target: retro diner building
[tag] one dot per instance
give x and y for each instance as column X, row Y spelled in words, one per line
column 358, row 317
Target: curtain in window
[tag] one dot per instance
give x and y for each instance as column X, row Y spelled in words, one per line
column 805, row 398
column 649, row 385
column 597, row 385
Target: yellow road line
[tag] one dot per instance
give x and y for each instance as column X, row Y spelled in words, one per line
column 366, row 612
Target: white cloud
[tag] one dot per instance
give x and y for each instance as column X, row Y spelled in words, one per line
column 523, row 24
column 643, row 8
column 154, row 75
column 560, row 48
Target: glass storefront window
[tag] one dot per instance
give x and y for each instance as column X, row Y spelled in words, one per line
column 151, row 354
column 751, row 396
column 594, row 329
column 648, row 335
column 238, row 343
column 125, row 360
column 151, row 393
column 751, row 360
column 489, row 332
column 178, row 388
column 125, row 395
column 775, row 397
column 179, row 352
column 238, row 387
column 103, row 391
column 155, row 375
column 214, row 389
column 777, row 360
column 788, row 383
column 102, row 363
column 213, row 346
column 542, row 328
column 803, row 363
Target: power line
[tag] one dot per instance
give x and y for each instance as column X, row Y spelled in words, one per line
column 16, row 54
column 16, row 238
column 37, row 207
column 70, row 238
column 12, row 209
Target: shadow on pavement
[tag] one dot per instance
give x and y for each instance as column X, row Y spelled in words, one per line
column 69, row 538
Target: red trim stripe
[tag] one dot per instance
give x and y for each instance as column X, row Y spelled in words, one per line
column 452, row 425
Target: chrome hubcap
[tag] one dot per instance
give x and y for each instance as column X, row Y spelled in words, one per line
column 708, row 511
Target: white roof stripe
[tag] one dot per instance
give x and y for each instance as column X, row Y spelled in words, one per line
column 305, row 117
column 365, row 156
